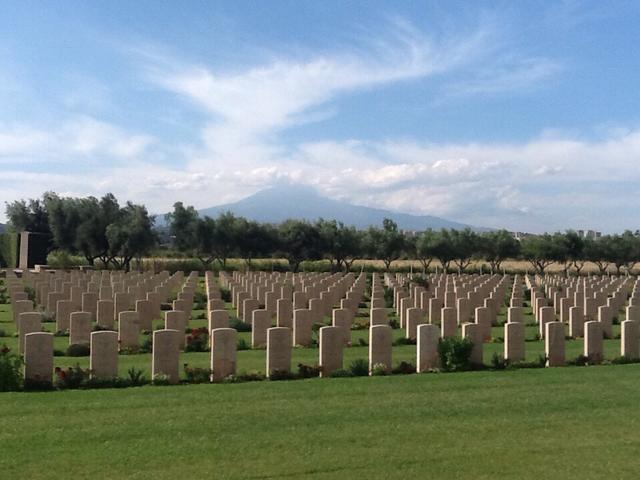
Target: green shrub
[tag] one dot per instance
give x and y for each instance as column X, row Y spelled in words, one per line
column 245, row 377
column 243, row 345
column 308, row 371
column 404, row 341
column 623, row 360
column 281, row 375
column 147, row 345
column 341, row 373
column 78, row 350
column 239, row 325
column 197, row 340
column 404, row 368
column 71, row 378
column 498, row 362
column 225, row 295
column 455, row 353
column 9, row 250
column 379, row 369
column 160, row 379
column 197, row 374
column 359, row 367
column 108, row 382
column 579, row 361
column 10, row 370
column 136, row 377
column 388, row 297
column 540, row 362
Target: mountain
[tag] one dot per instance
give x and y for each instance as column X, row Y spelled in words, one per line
column 277, row 204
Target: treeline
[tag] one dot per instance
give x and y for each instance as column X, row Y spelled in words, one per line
column 98, row 229
column 102, row 231
column 229, row 236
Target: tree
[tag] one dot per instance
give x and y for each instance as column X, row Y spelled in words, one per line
column 424, row 248
column 131, row 236
column 443, row 248
column 541, row 251
column 216, row 239
column 386, row 244
column 182, row 226
column 623, row 250
column 575, row 250
column 465, row 245
column 596, row 251
column 299, row 241
column 341, row 244
column 30, row 217
column 497, row 246
column 254, row 239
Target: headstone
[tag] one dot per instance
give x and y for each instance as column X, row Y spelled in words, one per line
column 378, row 316
column 428, row 336
column 605, row 317
column 260, row 323
column 21, row 306
column 248, row 308
column 128, row 330
column 103, row 360
column 483, row 319
column 545, row 315
column 593, row 341
column 413, row 319
column 331, row 345
column 145, row 314
column 514, row 343
column 630, row 333
column 90, row 304
column 218, row 319
column 223, row 353
column 176, row 320
column 28, row 322
column 80, row 330
column 122, row 303
column 38, row 357
column 515, row 315
column 302, row 327
column 105, row 315
column 554, row 344
column 342, row 320
column 166, row 355
column 576, row 322
column 284, row 311
column 473, row 333
column 279, row 343
column 449, row 322
column 64, row 309
column 380, row 343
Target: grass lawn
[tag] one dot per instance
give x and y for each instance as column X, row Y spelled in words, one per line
column 573, row 422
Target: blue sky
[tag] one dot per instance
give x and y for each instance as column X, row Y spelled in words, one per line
column 522, row 115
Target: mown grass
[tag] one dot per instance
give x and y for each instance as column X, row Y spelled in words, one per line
column 573, row 422
column 545, row 423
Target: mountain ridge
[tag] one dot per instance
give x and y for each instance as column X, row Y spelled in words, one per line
column 280, row 203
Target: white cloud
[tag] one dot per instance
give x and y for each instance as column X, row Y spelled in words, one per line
column 548, row 182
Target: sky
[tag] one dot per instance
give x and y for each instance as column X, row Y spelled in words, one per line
column 520, row 115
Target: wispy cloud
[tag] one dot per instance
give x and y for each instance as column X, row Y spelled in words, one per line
column 512, row 76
